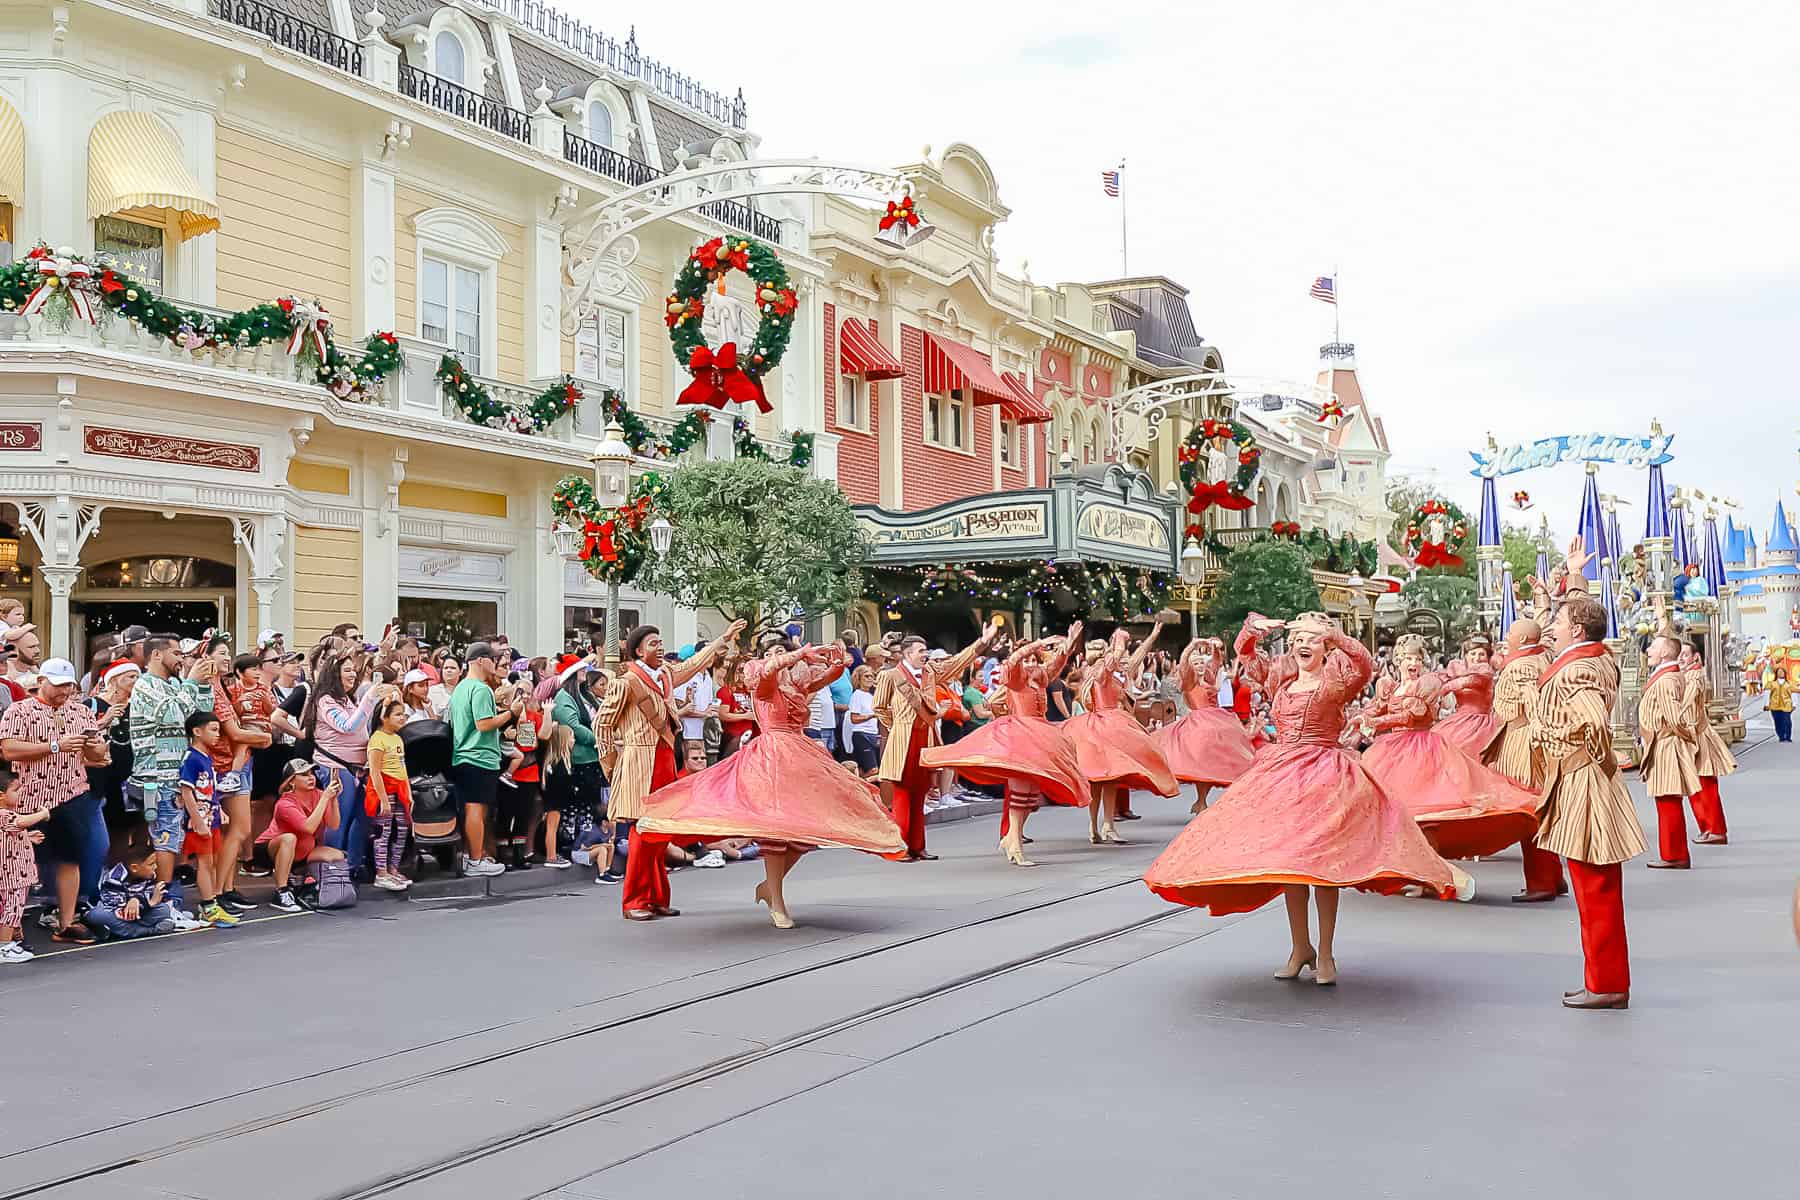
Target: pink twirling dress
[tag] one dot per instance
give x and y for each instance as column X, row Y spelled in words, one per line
column 1465, row 809
column 1473, row 726
column 1305, row 812
column 1110, row 746
column 1020, row 751
column 782, row 789
column 1208, row 746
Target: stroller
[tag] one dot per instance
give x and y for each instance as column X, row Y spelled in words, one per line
column 437, row 821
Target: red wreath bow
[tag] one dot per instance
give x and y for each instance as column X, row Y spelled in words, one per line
column 599, row 540
column 1205, row 495
column 71, row 275
column 1331, row 410
column 901, row 212
column 717, row 256
column 1435, row 554
column 1285, row 529
column 718, row 380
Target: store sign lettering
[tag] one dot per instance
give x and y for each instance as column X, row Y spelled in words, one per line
column 21, row 435
column 440, row 564
column 155, row 447
column 1652, row 451
column 983, row 524
column 1123, row 527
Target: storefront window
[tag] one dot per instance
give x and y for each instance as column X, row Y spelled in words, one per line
column 130, row 247
column 584, row 625
column 440, row 621
column 945, row 417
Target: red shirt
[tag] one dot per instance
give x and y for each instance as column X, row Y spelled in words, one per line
column 291, row 812
column 529, row 770
column 251, row 705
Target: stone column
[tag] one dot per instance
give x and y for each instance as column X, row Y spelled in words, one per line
column 61, row 581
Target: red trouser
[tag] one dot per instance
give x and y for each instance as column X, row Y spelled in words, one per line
column 646, row 864
column 1600, row 899
column 1543, row 870
column 909, row 794
column 1671, row 829
column 1709, row 810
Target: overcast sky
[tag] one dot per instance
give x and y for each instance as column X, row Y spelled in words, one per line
column 1548, row 218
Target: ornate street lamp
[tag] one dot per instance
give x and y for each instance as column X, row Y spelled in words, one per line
column 612, row 468
column 661, row 534
column 568, row 540
column 1193, row 574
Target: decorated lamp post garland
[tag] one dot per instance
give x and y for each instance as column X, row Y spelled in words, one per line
column 1436, row 533
column 615, row 541
column 730, row 374
column 1231, row 494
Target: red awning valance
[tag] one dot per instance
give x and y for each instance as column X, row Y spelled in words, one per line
column 1022, row 406
column 951, row 366
column 860, row 352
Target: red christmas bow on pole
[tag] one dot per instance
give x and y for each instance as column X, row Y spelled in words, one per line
column 718, row 380
column 1435, row 554
column 599, row 540
column 1205, row 495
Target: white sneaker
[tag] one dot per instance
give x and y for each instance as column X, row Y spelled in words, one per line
column 13, row 952
column 488, row 866
column 186, row 920
column 712, row 858
column 951, row 802
column 388, row 883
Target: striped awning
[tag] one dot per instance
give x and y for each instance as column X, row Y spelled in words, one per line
column 12, row 155
column 951, row 366
column 1022, row 406
column 860, row 352
column 134, row 161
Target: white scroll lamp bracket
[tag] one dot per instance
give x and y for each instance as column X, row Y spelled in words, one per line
column 1135, row 416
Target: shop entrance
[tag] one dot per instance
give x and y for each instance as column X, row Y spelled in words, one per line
column 448, row 621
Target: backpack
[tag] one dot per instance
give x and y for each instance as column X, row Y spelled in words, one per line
column 336, row 889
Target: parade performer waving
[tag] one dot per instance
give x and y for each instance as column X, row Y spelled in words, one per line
column 1473, row 726
column 782, row 788
column 1515, row 694
column 1306, row 814
column 1114, row 751
column 636, row 729
column 1208, row 747
column 1465, row 809
column 1711, row 758
column 1022, row 751
column 1666, row 730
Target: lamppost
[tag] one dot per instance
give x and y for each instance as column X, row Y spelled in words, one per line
column 1193, row 574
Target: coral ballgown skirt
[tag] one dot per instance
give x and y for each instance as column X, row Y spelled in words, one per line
column 1016, row 749
column 1304, row 813
column 782, row 787
column 1207, row 746
column 1464, row 808
column 1470, row 730
column 1111, row 747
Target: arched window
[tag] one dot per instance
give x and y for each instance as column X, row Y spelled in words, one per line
column 447, row 57
column 600, row 124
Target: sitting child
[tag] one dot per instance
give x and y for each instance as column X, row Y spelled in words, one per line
column 132, row 902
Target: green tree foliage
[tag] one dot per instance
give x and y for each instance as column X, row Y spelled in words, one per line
column 753, row 538
column 1520, row 548
column 1273, row 578
column 1452, row 596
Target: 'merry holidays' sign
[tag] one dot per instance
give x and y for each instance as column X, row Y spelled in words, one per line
column 1652, row 451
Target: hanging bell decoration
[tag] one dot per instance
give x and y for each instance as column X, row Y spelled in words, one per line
column 902, row 226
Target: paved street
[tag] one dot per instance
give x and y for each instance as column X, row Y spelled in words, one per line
column 957, row 1028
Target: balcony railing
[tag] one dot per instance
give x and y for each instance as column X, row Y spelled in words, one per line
column 604, row 160
column 459, row 101
column 292, row 33
column 744, row 219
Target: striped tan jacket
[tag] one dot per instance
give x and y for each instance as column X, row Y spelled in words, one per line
column 1666, row 729
column 1586, row 813
column 1515, row 691
column 1710, row 755
column 903, row 708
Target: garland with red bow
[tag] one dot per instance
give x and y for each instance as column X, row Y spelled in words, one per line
column 1426, row 553
column 730, row 374
column 900, row 212
column 481, row 407
column 1230, row 494
column 615, row 541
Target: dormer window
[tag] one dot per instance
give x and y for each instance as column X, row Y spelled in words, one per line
column 600, row 124
column 448, row 58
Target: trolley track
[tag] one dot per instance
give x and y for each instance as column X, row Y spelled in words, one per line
column 440, row 1074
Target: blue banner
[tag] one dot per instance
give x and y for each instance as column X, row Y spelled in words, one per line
column 1640, row 452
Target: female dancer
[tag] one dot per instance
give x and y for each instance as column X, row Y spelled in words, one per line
column 1305, row 814
column 1022, row 751
column 1473, row 726
column 782, row 788
column 1114, row 751
column 1465, row 809
column 1207, row 748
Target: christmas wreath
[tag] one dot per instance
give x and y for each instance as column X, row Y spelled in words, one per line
column 615, row 541
column 1435, row 534
column 1231, row 494
column 730, row 374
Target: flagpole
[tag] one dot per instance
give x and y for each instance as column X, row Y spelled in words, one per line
column 1337, row 308
column 1124, row 244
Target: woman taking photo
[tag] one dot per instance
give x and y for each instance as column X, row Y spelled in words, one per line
column 573, row 709
column 337, row 720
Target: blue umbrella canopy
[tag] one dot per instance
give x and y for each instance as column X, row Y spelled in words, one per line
column 1592, row 527
column 1712, row 560
column 1509, row 604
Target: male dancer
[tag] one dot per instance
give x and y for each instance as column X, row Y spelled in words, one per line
column 1711, row 758
column 636, row 727
column 906, row 708
column 1666, row 729
column 1515, row 693
column 1587, row 815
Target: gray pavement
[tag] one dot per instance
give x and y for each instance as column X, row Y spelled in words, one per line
column 958, row 1027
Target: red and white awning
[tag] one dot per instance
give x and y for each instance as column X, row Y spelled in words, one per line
column 860, row 352
column 951, row 366
column 1022, row 406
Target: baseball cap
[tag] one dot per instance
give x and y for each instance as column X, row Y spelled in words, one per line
column 296, row 766
column 267, row 638
column 58, row 670
column 415, row 676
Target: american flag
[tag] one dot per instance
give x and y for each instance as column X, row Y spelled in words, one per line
column 1325, row 288
column 1110, row 181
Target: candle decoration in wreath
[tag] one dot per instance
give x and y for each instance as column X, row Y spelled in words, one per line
column 615, row 541
column 1230, row 494
column 1436, row 534
column 730, row 374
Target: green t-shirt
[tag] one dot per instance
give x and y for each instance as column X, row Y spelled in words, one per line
column 473, row 701
column 972, row 696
